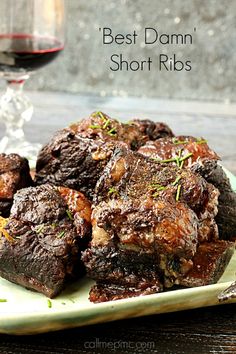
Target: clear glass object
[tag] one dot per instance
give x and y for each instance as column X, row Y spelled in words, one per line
column 31, row 36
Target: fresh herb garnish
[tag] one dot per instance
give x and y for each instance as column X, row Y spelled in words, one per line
column 173, row 159
column 157, row 188
column 181, row 165
column 186, row 157
column 178, row 192
column 49, row 304
column 112, row 190
column 179, row 142
column 3, row 300
column 106, row 126
column 101, row 115
column 177, row 159
column 95, row 126
column 39, row 229
column 61, row 234
column 112, row 132
column 178, row 178
column 156, row 194
column 201, row 141
column 69, row 214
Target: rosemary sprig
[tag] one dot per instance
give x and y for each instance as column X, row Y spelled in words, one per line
column 178, row 192
column 186, row 157
column 177, row 159
column 61, row 234
column 69, row 215
column 39, row 229
column 178, row 178
column 95, row 126
column 112, row 132
column 157, row 186
column 173, row 159
column 154, row 195
column 112, row 190
column 101, row 115
column 157, row 189
column 201, row 141
column 179, row 142
column 105, row 125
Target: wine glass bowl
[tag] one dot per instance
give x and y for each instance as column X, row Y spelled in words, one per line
column 31, row 36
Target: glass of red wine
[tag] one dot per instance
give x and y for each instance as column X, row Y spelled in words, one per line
column 31, row 36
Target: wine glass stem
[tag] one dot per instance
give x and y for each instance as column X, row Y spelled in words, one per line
column 14, row 128
column 15, row 109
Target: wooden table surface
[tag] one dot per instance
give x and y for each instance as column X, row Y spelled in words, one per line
column 207, row 330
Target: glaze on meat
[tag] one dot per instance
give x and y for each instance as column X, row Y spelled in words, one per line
column 76, row 156
column 138, row 214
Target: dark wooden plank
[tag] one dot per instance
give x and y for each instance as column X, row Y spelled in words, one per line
column 209, row 330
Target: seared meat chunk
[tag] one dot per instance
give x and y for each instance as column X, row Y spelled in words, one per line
column 201, row 158
column 100, row 126
column 152, row 130
column 204, row 161
column 209, row 263
column 134, row 133
column 152, row 214
column 76, row 156
column 226, row 217
column 14, row 175
column 73, row 161
column 41, row 242
column 102, row 292
column 121, row 273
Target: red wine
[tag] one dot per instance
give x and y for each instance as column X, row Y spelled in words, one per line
column 27, row 52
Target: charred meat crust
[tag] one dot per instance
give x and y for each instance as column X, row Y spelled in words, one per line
column 121, row 273
column 41, row 242
column 102, row 292
column 136, row 209
column 132, row 178
column 152, row 130
column 202, row 158
column 126, row 273
column 122, row 267
column 209, row 263
column 72, row 161
column 133, row 133
column 14, row 175
column 226, row 217
column 204, row 162
column 76, row 156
